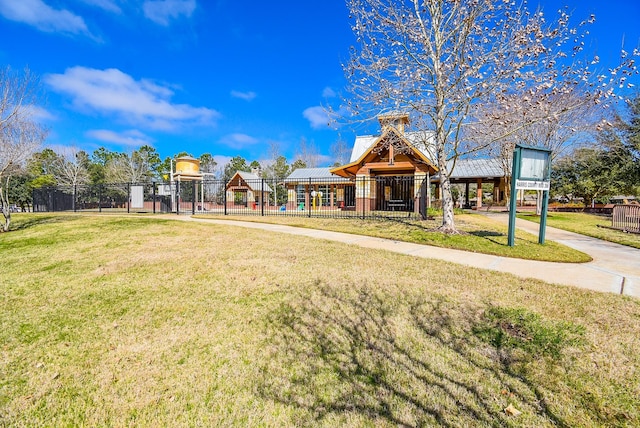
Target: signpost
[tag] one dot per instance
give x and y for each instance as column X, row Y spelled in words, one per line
column 531, row 170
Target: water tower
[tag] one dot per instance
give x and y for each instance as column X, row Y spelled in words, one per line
column 187, row 170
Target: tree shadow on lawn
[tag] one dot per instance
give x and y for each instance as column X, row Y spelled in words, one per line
column 488, row 235
column 22, row 224
column 353, row 354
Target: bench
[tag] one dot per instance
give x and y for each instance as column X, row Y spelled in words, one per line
column 396, row 203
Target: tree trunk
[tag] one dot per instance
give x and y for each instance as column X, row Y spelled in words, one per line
column 448, row 223
column 4, row 203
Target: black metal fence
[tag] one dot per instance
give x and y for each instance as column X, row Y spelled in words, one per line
column 363, row 197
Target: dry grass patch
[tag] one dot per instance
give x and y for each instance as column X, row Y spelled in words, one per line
column 110, row 321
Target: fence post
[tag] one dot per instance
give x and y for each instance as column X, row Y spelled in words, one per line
column 262, row 198
column 99, row 198
column 178, row 190
column 309, row 198
column 364, row 193
column 423, row 199
column 154, row 197
column 224, row 197
column 128, row 197
column 193, row 197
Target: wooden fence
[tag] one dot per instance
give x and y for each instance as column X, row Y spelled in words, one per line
column 627, row 218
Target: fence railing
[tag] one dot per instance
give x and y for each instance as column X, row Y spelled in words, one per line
column 364, row 197
column 626, row 217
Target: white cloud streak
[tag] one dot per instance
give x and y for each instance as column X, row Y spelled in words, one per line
column 328, row 93
column 131, row 138
column 317, row 116
column 163, row 11
column 108, row 5
column 43, row 17
column 40, row 114
column 142, row 103
column 238, row 140
column 247, row 96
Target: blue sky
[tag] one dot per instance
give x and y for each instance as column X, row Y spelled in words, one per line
column 226, row 77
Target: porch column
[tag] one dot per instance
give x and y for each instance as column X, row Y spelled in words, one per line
column 479, row 192
column 420, row 179
column 331, row 191
column 466, row 194
column 428, row 190
column 363, row 193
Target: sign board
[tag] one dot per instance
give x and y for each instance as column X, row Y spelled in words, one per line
column 164, row 190
column 137, row 196
column 531, row 171
column 534, row 164
column 533, row 185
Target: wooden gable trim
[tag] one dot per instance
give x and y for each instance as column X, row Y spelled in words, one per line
column 236, row 182
column 351, row 169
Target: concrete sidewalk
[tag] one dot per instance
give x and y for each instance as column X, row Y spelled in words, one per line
column 615, row 268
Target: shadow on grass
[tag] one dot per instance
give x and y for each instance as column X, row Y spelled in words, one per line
column 413, row 224
column 485, row 233
column 353, row 356
column 36, row 220
column 489, row 235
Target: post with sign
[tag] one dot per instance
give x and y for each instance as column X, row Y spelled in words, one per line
column 531, row 170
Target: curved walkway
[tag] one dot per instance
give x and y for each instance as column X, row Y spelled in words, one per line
column 615, row 268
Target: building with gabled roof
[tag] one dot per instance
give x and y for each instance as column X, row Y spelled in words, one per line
column 247, row 189
column 392, row 170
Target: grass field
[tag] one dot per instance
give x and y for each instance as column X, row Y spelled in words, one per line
column 477, row 233
column 593, row 225
column 109, row 321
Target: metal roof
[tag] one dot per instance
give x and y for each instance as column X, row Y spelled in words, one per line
column 422, row 141
column 315, row 174
column 253, row 180
column 476, row 168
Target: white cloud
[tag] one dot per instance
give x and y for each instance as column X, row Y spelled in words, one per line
column 108, row 5
column 247, row 96
column 139, row 102
column 43, row 17
column 222, row 160
column 238, row 141
column 328, row 93
column 163, row 11
column 131, row 138
column 317, row 116
column 40, row 114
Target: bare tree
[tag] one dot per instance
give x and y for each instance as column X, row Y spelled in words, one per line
column 340, row 151
column 70, row 167
column 448, row 62
column 547, row 129
column 308, row 153
column 131, row 168
column 20, row 136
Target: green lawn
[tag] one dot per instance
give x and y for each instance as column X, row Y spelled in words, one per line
column 110, row 321
column 477, row 233
column 593, row 225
